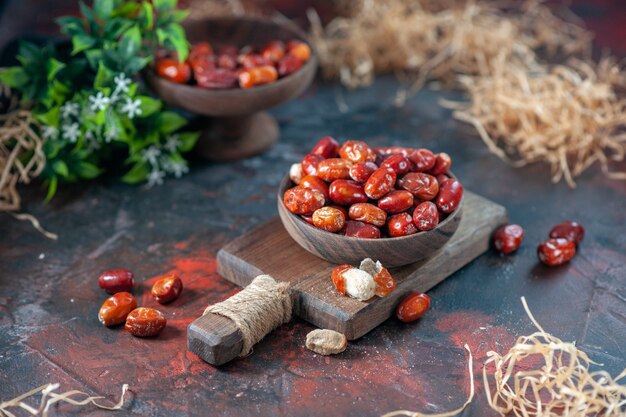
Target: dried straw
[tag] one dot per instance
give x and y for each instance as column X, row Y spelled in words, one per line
column 21, row 159
column 555, row 381
column 17, row 139
column 569, row 116
column 49, row 398
column 434, row 43
column 542, row 29
column 559, row 385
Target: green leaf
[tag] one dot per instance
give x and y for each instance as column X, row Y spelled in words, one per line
column 134, row 34
column 87, row 170
column 169, row 122
column 149, row 106
column 58, row 92
column 93, row 120
column 164, row 5
column 71, row 25
column 52, row 188
column 127, row 9
column 151, row 137
column 35, row 63
column 82, row 43
column 138, row 173
column 181, row 47
column 132, row 90
column 100, row 117
column 49, row 118
column 103, row 8
column 102, row 77
column 35, row 90
column 14, row 77
column 60, row 168
column 130, row 43
column 54, row 66
column 87, row 13
column 179, row 15
column 147, row 15
column 174, row 29
column 176, row 36
column 136, row 64
column 29, row 51
column 114, row 28
column 114, row 124
column 94, row 56
column 161, row 36
column 52, row 149
column 188, row 141
column 112, row 59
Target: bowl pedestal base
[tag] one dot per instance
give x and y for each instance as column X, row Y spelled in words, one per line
column 235, row 137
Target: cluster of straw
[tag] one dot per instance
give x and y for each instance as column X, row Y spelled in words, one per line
column 568, row 116
column 435, row 43
column 493, row 53
column 21, row 155
column 554, row 382
column 50, row 398
column 561, row 383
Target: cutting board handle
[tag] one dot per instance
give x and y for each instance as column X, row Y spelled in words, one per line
column 214, row 338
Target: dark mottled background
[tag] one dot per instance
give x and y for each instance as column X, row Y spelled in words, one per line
column 49, row 298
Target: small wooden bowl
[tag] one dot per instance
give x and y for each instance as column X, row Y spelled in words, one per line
column 340, row 249
column 232, row 120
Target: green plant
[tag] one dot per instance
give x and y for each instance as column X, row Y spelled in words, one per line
column 88, row 102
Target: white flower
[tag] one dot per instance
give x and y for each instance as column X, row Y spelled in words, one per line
column 155, row 177
column 172, row 143
column 111, row 134
column 178, row 168
column 99, row 102
column 69, row 109
column 50, row 132
column 131, row 108
column 71, row 132
column 151, row 154
column 121, row 83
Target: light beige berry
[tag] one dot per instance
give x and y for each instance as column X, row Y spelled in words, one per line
column 326, row 342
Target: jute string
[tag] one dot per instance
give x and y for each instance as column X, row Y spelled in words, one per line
column 257, row 310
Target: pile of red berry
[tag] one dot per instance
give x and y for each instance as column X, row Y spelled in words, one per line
column 229, row 66
column 121, row 307
column 560, row 248
column 366, row 192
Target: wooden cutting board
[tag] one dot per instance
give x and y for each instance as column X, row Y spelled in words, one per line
column 268, row 249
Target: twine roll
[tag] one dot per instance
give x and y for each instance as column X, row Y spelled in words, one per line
column 256, row 310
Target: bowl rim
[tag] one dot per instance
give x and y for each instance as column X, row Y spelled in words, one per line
column 219, row 92
column 450, row 217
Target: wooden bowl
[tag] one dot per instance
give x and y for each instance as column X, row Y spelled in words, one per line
column 232, row 120
column 340, row 249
